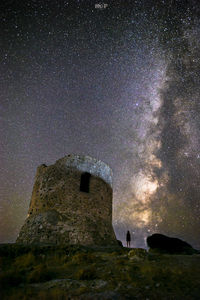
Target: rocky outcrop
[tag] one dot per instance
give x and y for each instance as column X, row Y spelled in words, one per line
column 170, row 245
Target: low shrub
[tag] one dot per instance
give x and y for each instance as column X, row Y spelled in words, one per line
column 81, row 257
column 40, row 274
column 10, row 278
column 24, row 261
column 1, row 262
column 52, row 294
column 57, row 259
column 87, row 273
column 82, row 290
column 138, row 254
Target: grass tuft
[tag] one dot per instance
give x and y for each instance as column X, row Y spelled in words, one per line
column 87, row 273
column 40, row 274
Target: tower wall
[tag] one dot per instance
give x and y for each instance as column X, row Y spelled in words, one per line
column 60, row 213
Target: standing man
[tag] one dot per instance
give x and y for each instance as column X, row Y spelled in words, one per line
column 128, row 239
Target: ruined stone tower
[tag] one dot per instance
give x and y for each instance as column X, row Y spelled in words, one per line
column 71, row 204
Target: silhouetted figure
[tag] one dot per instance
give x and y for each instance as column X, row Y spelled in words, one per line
column 128, row 238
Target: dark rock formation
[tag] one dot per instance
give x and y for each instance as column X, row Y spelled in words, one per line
column 119, row 243
column 170, row 245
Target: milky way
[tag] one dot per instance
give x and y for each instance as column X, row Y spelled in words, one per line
column 120, row 84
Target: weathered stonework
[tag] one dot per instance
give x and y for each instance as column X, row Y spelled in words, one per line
column 60, row 213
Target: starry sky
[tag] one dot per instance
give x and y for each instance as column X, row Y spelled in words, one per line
column 121, row 84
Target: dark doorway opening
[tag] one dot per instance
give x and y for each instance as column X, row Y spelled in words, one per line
column 85, row 182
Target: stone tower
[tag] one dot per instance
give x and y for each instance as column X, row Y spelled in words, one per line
column 71, row 203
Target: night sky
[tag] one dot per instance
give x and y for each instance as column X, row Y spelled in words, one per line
column 121, row 84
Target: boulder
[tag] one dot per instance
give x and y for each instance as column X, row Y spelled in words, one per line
column 119, row 243
column 171, row 245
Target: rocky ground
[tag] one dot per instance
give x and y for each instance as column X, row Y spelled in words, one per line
column 45, row 272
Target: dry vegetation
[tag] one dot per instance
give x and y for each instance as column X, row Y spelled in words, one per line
column 96, row 273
